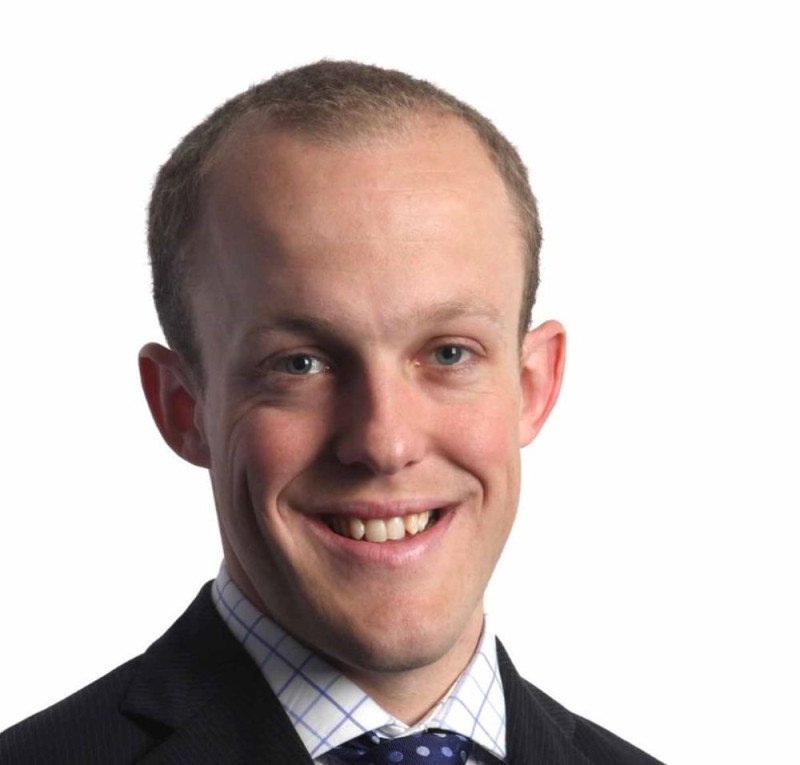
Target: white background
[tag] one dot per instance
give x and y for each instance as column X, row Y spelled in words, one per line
column 651, row 582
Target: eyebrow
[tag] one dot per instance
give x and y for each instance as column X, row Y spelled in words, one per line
column 459, row 309
column 431, row 314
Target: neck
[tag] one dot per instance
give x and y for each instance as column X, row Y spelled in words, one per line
column 410, row 694
column 407, row 694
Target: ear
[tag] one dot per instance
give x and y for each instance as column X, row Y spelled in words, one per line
column 541, row 370
column 173, row 402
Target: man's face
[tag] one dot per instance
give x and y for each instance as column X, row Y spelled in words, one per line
column 358, row 314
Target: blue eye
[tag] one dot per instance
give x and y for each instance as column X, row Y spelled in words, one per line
column 302, row 364
column 449, row 355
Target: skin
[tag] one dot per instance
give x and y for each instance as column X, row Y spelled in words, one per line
column 390, row 273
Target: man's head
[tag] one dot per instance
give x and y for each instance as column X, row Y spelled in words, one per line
column 356, row 302
column 333, row 102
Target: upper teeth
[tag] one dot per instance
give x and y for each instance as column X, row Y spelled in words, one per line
column 380, row 529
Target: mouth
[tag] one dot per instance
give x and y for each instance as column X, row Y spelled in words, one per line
column 381, row 530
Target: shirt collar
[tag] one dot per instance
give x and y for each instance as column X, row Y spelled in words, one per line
column 327, row 709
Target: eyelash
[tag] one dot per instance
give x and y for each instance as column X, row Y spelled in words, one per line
column 284, row 361
column 463, row 349
column 280, row 364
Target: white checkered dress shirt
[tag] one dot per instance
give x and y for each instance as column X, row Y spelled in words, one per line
column 327, row 709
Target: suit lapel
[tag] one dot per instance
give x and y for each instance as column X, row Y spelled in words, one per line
column 206, row 701
column 233, row 730
column 538, row 730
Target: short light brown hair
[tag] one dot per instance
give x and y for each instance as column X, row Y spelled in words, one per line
column 328, row 99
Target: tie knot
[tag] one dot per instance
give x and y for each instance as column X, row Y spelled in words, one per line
column 429, row 748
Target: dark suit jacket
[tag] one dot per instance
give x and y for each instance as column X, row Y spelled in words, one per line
column 195, row 697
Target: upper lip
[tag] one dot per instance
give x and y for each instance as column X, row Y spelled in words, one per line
column 379, row 508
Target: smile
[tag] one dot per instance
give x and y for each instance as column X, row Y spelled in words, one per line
column 382, row 529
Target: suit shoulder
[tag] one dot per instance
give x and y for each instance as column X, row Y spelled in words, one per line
column 87, row 726
column 606, row 747
column 598, row 745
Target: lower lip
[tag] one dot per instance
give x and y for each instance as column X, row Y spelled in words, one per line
column 390, row 553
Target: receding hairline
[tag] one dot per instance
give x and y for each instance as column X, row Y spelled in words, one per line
column 383, row 130
column 381, row 133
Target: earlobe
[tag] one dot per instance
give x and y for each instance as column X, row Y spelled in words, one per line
column 172, row 402
column 541, row 371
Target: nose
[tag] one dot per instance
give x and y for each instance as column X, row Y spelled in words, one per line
column 382, row 423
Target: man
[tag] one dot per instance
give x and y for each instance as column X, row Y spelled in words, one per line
column 344, row 263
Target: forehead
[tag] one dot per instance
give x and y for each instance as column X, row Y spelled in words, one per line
column 399, row 208
column 275, row 179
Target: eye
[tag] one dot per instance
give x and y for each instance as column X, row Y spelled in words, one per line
column 301, row 365
column 450, row 355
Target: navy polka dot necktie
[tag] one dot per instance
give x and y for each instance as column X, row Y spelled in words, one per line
column 431, row 748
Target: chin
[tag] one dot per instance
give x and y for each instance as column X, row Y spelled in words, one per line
column 397, row 645
column 388, row 657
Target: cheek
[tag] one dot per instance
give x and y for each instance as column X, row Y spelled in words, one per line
column 485, row 434
column 483, row 441
column 272, row 447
